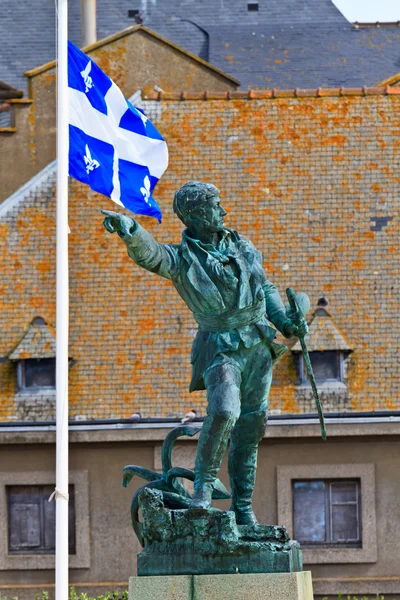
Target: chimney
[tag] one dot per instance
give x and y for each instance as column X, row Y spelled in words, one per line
column 88, row 20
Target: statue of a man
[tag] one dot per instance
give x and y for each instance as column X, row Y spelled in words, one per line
column 219, row 275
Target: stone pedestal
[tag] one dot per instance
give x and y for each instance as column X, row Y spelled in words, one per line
column 258, row 586
column 208, row 541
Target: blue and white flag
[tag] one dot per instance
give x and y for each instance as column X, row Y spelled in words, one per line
column 113, row 147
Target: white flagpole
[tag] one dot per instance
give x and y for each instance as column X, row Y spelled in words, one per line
column 62, row 306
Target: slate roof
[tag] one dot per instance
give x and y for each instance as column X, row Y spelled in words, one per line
column 319, row 173
column 38, row 342
column 269, row 11
column 323, row 335
column 323, row 48
column 286, row 44
column 306, row 55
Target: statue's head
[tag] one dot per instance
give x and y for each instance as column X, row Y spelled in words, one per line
column 197, row 205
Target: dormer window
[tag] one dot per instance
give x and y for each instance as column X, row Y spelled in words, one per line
column 327, row 349
column 37, row 374
column 327, row 366
column 35, row 357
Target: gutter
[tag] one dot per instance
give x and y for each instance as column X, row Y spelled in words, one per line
column 169, row 423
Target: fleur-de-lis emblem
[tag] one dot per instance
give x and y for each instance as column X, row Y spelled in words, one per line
column 91, row 163
column 146, row 189
column 86, row 77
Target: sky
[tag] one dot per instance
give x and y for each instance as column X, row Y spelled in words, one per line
column 366, row 11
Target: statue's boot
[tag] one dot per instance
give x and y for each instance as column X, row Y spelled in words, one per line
column 242, row 464
column 202, row 495
column 242, row 479
column 212, row 444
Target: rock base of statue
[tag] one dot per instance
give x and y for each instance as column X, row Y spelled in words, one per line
column 260, row 586
column 199, row 542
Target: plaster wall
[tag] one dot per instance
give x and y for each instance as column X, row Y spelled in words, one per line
column 113, row 546
column 17, row 154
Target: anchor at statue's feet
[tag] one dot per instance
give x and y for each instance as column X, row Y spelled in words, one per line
column 180, row 539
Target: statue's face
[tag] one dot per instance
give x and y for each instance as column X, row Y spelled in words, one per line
column 214, row 215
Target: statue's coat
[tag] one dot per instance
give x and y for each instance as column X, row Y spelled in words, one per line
column 227, row 282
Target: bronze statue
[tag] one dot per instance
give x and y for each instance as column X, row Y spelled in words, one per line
column 219, row 275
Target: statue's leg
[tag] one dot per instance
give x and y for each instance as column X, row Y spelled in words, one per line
column 222, row 381
column 249, row 431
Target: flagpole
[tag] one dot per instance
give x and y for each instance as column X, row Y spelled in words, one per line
column 62, row 307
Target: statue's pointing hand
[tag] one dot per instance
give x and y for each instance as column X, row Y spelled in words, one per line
column 117, row 222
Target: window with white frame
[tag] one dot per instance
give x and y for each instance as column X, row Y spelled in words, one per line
column 327, row 512
column 330, row 509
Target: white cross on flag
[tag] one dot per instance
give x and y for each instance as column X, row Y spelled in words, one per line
column 113, row 147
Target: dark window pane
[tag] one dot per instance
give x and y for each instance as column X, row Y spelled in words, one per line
column 40, row 372
column 345, row 523
column 31, row 520
column 343, row 492
column 24, row 526
column 327, row 512
column 309, row 511
column 49, row 523
column 325, row 365
column 71, row 521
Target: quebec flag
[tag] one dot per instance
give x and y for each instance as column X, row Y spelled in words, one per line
column 113, row 147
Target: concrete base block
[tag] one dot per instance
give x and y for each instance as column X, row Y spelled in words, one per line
column 257, row 586
column 164, row 587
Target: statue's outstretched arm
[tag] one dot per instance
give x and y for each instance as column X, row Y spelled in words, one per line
column 142, row 247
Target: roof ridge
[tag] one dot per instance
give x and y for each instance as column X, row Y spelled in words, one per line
column 276, row 93
column 28, row 187
column 391, row 81
column 128, row 31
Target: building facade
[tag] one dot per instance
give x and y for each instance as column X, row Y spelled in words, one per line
column 361, row 454
column 310, row 176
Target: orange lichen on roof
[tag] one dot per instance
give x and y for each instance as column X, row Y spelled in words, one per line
column 323, row 334
column 38, row 342
column 318, row 221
